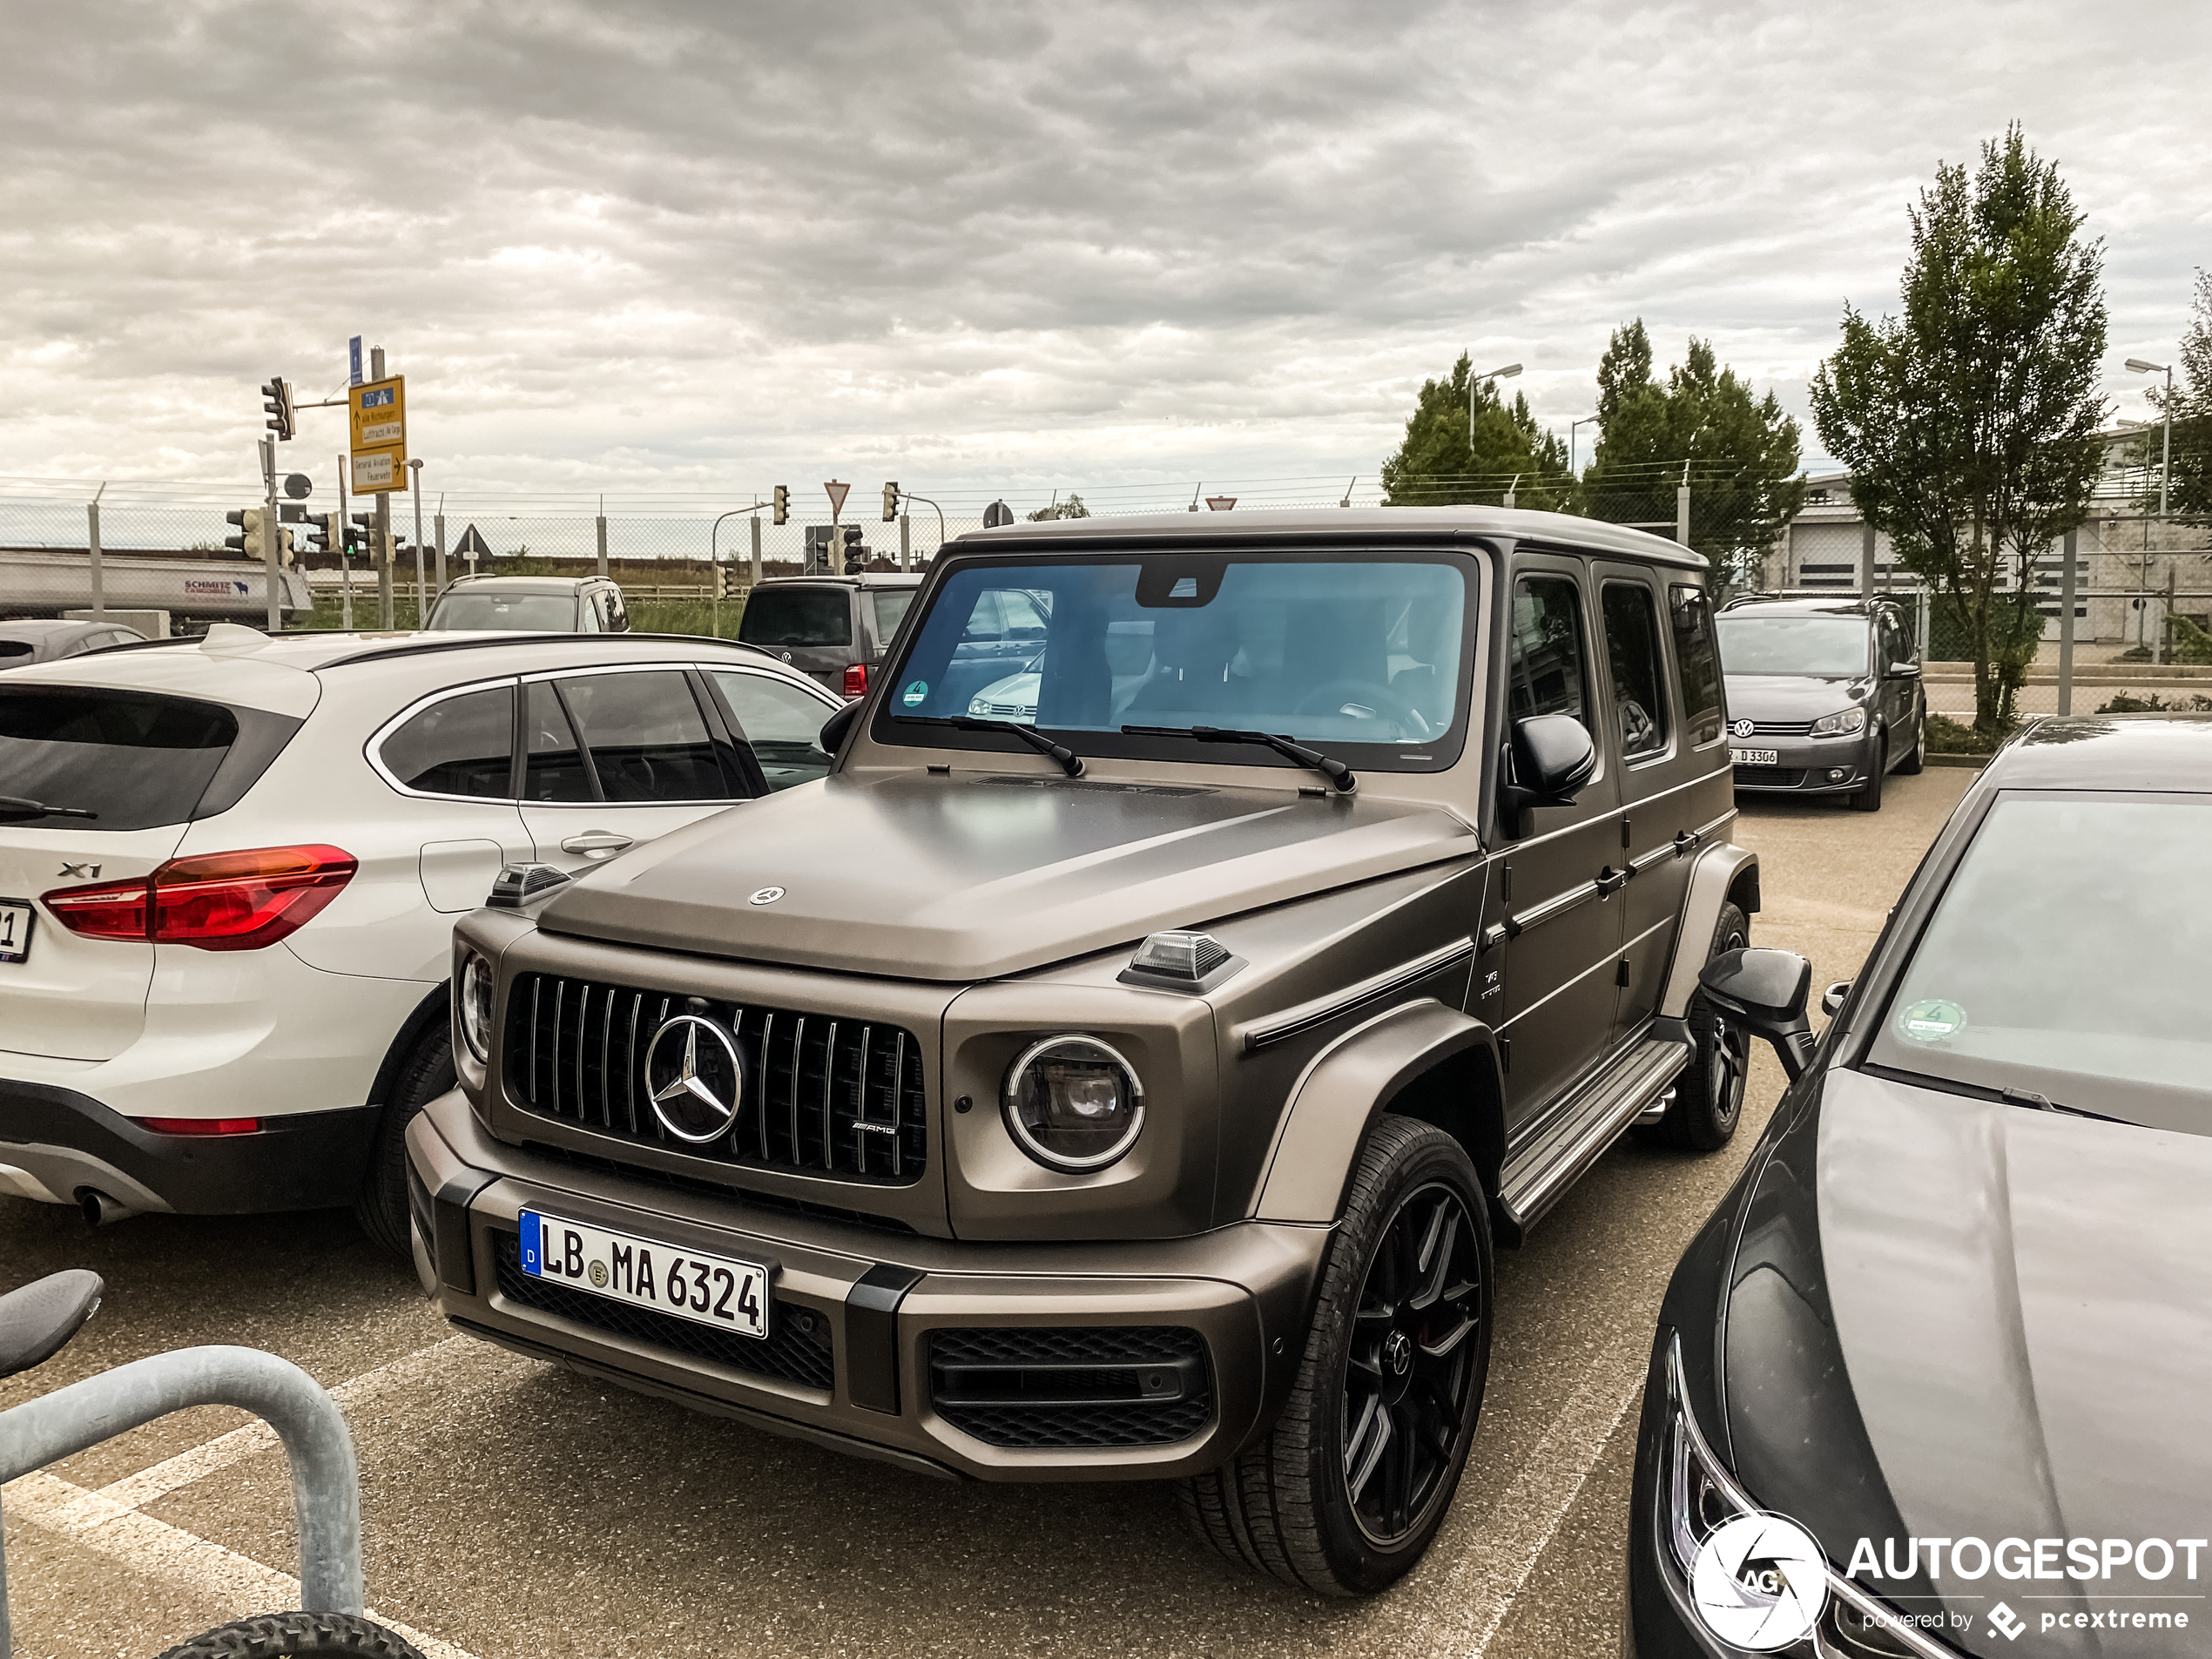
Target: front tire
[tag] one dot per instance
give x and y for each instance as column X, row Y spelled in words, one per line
column 1867, row 798
column 331, row 1636
column 1345, row 1493
column 426, row 1073
column 1709, row 1092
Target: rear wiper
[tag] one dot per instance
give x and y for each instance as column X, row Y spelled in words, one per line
column 1066, row 758
column 1335, row 771
column 14, row 809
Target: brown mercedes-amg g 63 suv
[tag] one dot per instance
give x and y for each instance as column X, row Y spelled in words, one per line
column 1134, row 1086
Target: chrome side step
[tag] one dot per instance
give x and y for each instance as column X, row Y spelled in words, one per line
column 1537, row 1174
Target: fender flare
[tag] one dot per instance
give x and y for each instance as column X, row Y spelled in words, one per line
column 1719, row 873
column 1344, row 1088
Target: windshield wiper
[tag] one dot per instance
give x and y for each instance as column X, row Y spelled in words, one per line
column 14, row 808
column 1068, row 759
column 1335, row 771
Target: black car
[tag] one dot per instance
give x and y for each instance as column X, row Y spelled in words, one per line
column 1948, row 1340
column 1824, row 696
column 835, row 628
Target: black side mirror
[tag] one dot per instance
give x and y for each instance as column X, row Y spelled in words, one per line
column 1764, row 992
column 1547, row 761
column 835, row 729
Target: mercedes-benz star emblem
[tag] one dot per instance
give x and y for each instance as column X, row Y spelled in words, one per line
column 1398, row 1353
column 695, row 1078
column 766, row 896
column 1742, row 728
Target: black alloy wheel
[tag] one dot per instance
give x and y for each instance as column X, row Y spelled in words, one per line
column 1708, row 1091
column 1410, row 1366
column 1342, row 1495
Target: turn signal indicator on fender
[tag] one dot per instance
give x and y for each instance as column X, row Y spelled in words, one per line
column 212, row 901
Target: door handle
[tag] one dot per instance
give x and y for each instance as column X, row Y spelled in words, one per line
column 596, row 843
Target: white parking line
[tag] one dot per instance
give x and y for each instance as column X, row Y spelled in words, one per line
column 107, row 1521
column 155, row 1548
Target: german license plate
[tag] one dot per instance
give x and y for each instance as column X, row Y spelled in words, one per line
column 16, row 919
column 1756, row 757
column 729, row 1295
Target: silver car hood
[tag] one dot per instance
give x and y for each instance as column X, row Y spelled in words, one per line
column 974, row 877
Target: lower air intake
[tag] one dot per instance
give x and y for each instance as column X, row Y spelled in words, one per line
column 1064, row 1387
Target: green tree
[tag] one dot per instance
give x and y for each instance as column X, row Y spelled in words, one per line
column 1447, row 458
column 1741, row 452
column 1071, row 507
column 2191, row 490
column 1969, row 423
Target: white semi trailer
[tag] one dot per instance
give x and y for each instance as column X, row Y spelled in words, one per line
column 46, row 582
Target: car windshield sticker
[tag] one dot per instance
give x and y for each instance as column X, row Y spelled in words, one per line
column 917, row 694
column 1932, row 1021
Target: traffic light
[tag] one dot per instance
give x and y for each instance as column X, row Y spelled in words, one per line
column 782, row 514
column 248, row 543
column 890, row 503
column 376, row 544
column 276, row 403
column 329, row 532
column 725, row 582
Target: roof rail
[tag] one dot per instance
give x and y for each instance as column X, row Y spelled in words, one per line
column 415, row 647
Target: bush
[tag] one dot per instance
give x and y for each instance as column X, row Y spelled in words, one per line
column 2151, row 703
column 1950, row 736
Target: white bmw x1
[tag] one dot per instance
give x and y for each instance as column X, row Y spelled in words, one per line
column 229, row 871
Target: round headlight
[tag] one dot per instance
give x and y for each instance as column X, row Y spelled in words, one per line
column 1074, row 1103
column 475, row 1005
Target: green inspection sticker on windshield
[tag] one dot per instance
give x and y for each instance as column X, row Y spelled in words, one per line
column 916, row 694
column 1932, row 1021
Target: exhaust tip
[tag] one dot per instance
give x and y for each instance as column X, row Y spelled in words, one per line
column 99, row 1209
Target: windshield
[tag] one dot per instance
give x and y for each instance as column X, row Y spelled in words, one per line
column 1832, row 647
column 798, row 617
column 2067, row 958
column 1333, row 651
column 535, row 613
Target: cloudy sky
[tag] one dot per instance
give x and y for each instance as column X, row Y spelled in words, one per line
column 996, row 247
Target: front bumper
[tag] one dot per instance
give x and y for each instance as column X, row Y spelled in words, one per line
column 1808, row 765
column 873, row 1329
column 54, row 1143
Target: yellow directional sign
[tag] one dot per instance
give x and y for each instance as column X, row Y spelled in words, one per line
column 378, row 409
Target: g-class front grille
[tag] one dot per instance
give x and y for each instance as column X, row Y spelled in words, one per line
column 821, row 1095
column 1072, row 1386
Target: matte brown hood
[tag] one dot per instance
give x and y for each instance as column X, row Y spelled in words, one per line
column 970, row 878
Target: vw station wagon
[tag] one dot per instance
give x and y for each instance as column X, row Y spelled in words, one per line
column 1137, row 1091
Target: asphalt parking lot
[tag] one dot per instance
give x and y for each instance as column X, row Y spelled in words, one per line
column 514, row 1509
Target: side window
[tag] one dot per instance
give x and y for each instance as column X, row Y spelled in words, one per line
column 782, row 723
column 617, row 612
column 587, row 614
column 645, row 736
column 1632, row 652
column 1697, row 664
column 1023, row 618
column 1550, row 672
column 463, row 745
column 554, row 768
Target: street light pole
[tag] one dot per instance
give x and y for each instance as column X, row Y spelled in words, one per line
column 1504, row 374
column 926, row 502
column 421, row 599
column 1573, row 426
column 2166, row 457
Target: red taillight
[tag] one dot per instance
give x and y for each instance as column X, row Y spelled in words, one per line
column 201, row 1125
column 212, row 901
column 856, row 679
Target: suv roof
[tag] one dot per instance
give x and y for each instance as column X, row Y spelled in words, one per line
column 858, row 579
column 1398, row 524
column 530, row 583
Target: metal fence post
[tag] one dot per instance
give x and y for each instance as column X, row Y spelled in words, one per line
column 1866, row 560
column 438, row 525
column 602, row 522
column 755, row 522
column 2066, row 625
column 906, row 545
column 93, row 550
column 1682, row 514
